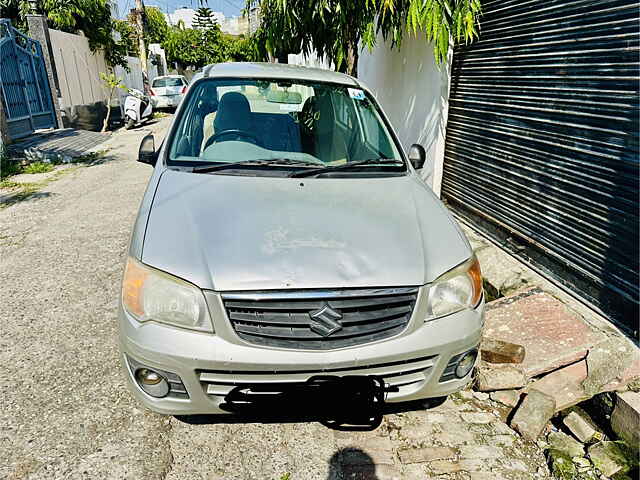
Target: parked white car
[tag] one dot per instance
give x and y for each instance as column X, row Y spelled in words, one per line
column 167, row 91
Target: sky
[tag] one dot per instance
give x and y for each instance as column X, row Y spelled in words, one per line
column 229, row 7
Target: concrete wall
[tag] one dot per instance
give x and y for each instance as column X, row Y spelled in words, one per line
column 414, row 93
column 78, row 69
column 82, row 94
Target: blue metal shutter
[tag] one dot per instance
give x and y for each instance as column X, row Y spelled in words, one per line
column 542, row 142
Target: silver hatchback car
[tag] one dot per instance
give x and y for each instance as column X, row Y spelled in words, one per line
column 284, row 234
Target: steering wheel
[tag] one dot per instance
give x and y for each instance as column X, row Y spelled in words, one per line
column 234, row 131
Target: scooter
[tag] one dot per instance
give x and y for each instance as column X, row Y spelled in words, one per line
column 137, row 108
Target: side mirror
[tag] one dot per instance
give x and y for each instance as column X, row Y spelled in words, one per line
column 147, row 151
column 417, row 156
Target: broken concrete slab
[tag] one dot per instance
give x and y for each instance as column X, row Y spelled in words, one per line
column 564, row 385
column 498, row 351
column 628, row 378
column 607, row 361
column 566, row 444
column 609, row 458
column 532, row 415
column 552, row 335
column 510, row 398
column 625, row 420
column 503, row 377
column 582, row 427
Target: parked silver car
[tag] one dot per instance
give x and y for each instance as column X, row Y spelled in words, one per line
column 285, row 234
column 168, row 91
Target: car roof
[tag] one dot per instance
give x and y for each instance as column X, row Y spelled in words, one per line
column 168, row 76
column 276, row 70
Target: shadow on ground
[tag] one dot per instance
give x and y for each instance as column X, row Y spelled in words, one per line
column 351, row 463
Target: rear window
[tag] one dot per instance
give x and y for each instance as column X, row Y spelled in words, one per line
column 168, row 82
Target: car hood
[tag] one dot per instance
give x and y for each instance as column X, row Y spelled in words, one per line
column 226, row 232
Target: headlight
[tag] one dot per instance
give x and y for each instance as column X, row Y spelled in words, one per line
column 456, row 290
column 151, row 295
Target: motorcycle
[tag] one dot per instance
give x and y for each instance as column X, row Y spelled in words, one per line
column 137, row 108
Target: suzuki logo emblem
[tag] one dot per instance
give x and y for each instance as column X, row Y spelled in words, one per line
column 324, row 321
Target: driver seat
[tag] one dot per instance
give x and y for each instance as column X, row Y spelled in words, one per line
column 234, row 113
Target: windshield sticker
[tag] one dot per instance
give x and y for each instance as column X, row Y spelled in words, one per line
column 356, row 93
column 290, row 107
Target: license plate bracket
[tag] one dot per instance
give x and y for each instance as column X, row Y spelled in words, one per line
column 352, row 402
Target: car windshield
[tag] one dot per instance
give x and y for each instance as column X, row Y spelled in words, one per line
column 167, row 82
column 306, row 124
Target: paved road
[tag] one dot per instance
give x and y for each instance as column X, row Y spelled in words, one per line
column 64, row 409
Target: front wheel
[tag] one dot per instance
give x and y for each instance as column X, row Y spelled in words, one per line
column 130, row 123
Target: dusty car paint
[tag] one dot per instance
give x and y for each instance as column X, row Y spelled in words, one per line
column 226, row 233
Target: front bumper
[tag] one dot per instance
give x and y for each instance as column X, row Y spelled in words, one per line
column 209, row 366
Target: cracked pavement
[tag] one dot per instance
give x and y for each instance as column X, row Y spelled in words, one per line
column 66, row 413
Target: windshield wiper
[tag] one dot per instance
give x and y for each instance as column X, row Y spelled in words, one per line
column 346, row 166
column 251, row 163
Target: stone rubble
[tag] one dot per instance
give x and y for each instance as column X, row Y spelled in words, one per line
column 503, row 377
column 551, row 334
column 566, row 444
column 582, row 427
column 510, row 398
column 625, row 420
column 534, row 413
column 609, row 458
column 540, row 362
column 564, row 385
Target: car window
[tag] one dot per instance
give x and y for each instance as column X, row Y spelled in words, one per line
column 233, row 120
column 168, row 82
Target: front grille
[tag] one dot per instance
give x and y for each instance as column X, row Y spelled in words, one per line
column 406, row 375
column 283, row 319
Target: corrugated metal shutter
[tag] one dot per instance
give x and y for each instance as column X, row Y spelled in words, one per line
column 542, row 141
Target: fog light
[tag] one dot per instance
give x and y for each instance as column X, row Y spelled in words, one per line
column 152, row 382
column 466, row 363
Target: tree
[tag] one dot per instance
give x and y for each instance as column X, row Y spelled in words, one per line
column 156, row 26
column 128, row 37
column 241, row 48
column 195, row 48
column 92, row 17
column 111, row 82
column 335, row 29
column 204, row 19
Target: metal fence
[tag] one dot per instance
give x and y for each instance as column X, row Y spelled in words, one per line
column 24, row 85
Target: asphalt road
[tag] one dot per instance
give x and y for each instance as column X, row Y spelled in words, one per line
column 65, row 412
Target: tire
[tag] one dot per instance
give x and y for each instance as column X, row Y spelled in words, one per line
column 129, row 123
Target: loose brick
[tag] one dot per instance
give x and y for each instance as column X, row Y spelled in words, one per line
column 582, row 427
column 533, row 414
column 498, row 351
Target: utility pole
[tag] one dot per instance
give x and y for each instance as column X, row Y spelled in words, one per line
column 140, row 18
